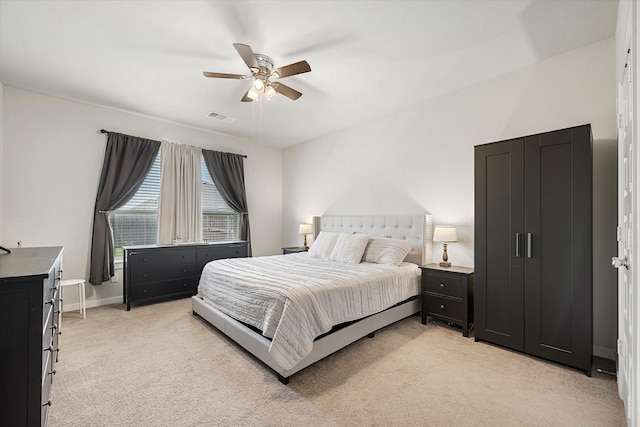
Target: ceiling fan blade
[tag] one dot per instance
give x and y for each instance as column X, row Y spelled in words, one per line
column 292, row 69
column 247, row 55
column 246, row 98
column 286, row 91
column 223, row 75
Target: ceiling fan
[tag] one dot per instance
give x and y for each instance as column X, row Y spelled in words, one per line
column 262, row 71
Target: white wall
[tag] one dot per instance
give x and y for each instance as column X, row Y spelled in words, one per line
column 1, row 150
column 53, row 155
column 421, row 158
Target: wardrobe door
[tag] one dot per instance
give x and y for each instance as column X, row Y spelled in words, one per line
column 499, row 243
column 558, row 323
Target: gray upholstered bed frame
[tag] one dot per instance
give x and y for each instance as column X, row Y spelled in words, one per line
column 416, row 228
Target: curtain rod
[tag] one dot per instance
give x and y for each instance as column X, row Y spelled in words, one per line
column 243, row 155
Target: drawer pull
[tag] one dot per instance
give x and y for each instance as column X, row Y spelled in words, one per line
column 53, row 372
column 54, row 327
column 48, row 302
column 442, row 285
column 442, row 306
column 49, row 349
column 48, row 403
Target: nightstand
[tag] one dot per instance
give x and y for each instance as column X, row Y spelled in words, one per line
column 447, row 294
column 294, row 250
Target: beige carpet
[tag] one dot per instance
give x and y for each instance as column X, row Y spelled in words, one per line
column 158, row 365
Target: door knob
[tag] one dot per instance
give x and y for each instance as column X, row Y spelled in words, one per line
column 620, row 262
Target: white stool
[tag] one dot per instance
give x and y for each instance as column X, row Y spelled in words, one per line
column 81, row 295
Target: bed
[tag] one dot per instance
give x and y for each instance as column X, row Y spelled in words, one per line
column 293, row 310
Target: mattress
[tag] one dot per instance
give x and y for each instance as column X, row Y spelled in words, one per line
column 295, row 298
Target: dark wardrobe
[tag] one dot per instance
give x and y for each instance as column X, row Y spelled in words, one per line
column 533, row 250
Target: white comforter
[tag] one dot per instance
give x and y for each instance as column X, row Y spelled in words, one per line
column 294, row 298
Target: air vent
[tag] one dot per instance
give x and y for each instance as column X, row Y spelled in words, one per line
column 222, row 117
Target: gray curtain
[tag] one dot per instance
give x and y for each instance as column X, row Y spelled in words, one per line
column 227, row 171
column 127, row 161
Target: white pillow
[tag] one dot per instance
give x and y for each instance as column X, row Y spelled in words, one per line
column 349, row 248
column 323, row 244
column 384, row 250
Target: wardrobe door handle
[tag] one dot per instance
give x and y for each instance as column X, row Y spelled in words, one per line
column 529, row 239
column 518, row 245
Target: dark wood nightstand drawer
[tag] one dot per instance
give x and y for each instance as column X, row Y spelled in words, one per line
column 445, row 285
column 445, row 307
column 294, row 250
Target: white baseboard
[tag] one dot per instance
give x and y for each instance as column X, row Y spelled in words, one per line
column 606, row 353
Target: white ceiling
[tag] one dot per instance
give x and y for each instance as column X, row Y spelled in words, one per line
column 368, row 58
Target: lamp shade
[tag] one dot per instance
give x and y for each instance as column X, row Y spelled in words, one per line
column 445, row 233
column 305, row 229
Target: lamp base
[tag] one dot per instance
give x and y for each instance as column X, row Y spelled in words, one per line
column 445, row 264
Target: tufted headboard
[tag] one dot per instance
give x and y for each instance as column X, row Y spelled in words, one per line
column 416, row 228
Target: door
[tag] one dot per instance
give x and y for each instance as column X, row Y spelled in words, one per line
column 558, row 267
column 627, row 247
column 499, row 243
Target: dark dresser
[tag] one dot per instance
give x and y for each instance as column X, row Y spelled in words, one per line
column 30, row 298
column 154, row 272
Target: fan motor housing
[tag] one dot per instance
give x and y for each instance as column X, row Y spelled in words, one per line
column 266, row 65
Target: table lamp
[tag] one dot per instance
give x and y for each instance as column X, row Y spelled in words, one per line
column 445, row 234
column 305, row 229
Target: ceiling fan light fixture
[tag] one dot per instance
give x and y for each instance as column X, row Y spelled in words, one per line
column 258, row 85
column 270, row 92
column 253, row 94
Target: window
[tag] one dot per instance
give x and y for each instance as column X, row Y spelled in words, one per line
column 136, row 223
column 219, row 221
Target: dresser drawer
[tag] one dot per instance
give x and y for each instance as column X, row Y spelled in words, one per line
column 47, row 337
column 50, row 285
column 220, row 251
column 164, row 288
column 55, row 333
column 449, row 285
column 445, row 307
column 47, row 380
column 162, row 265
